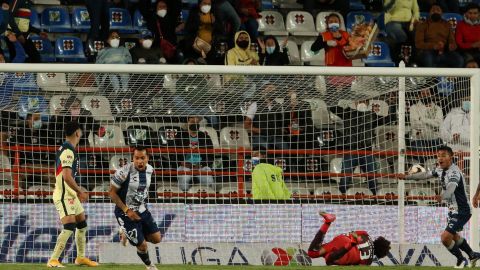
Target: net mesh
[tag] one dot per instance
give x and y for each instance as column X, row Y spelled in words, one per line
column 335, row 138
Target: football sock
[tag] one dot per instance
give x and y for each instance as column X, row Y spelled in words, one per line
column 464, row 246
column 317, row 241
column 455, row 250
column 80, row 240
column 144, row 257
column 62, row 241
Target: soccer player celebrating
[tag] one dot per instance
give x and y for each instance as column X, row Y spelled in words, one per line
column 354, row 248
column 67, row 197
column 459, row 209
column 129, row 191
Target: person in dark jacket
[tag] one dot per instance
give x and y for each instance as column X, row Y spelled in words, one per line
column 271, row 54
column 144, row 53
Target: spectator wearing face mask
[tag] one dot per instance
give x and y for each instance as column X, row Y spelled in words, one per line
column 241, row 55
column 166, row 21
column 114, row 54
column 333, row 40
column 144, row 53
column 271, row 54
column 467, row 34
column 455, row 129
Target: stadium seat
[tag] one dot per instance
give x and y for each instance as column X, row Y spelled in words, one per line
column 356, row 17
column 99, row 106
column 45, row 48
column 320, row 112
column 234, row 137
column 24, row 82
column 308, row 56
column 56, row 20
column 387, row 137
column 34, row 19
column 300, row 23
column 139, row 24
column 39, row 188
column 289, row 4
column 141, row 135
column 5, row 177
column 212, row 133
column 54, row 82
column 57, row 104
column 169, row 188
column 453, row 19
column 336, row 167
column 423, row 16
column 379, row 105
column 272, row 23
column 267, row 4
column 321, row 25
column 112, row 137
column 32, row 104
column 167, row 134
column 82, row 82
column 9, row 188
column 320, row 84
column 4, row 47
column 422, row 192
column 430, row 164
column 69, row 49
column 328, row 190
column 293, row 53
column 228, row 191
column 200, row 189
column 327, row 138
column 386, row 192
column 299, row 188
column 182, row 18
column 381, row 25
column 359, row 191
column 118, row 161
column 356, row 5
column 379, row 56
column 80, row 19
column 120, row 20
column 103, row 187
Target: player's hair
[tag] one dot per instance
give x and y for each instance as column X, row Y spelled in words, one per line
column 446, row 149
column 71, row 127
column 140, row 148
column 381, row 247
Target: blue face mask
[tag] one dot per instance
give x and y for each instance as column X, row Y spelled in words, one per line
column 333, row 27
column 466, row 106
column 270, row 50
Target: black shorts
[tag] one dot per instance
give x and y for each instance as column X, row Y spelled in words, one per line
column 455, row 222
column 135, row 231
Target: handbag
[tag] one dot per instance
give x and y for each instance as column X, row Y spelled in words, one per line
column 200, row 45
column 168, row 49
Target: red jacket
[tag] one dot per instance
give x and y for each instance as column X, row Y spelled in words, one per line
column 334, row 55
column 467, row 34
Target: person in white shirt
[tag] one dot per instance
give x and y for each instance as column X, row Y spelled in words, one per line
column 455, row 129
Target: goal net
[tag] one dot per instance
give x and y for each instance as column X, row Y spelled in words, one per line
column 339, row 140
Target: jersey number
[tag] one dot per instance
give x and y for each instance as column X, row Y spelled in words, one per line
column 364, row 250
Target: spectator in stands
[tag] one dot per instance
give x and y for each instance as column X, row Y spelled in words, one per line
column 435, row 42
column 249, row 13
column 271, row 54
column 98, row 11
column 467, row 34
column 200, row 30
column 471, row 63
column 297, row 124
column 228, row 17
column 455, row 129
column 19, row 55
column 114, row 54
column 145, row 54
column 194, row 139
column 359, row 123
column 264, row 120
column 426, row 118
column 333, row 40
column 167, row 25
column 313, row 6
column 34, row 133
column 241, row 55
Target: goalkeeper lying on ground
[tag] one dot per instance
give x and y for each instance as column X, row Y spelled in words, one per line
column 354, row 248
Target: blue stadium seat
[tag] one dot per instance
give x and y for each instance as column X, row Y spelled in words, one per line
column 139, row 23
column 32, row 104
column 267, row 4
column 424, row 16
column 4, row 47
column 34, row 19
column 120, row 20
column 452, row 18
column 45, row 48
column 80, row 19
column 182, row 18
column 356, row 5
column 69, row 49
column 358, row 17
column 24, row 82
column 56, row 20
column 379, row 56
column 381, row 24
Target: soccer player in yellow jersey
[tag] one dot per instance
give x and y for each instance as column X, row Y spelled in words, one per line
column 67, row 197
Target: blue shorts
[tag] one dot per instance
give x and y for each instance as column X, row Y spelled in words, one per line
column 135, row 231
column 455, row 222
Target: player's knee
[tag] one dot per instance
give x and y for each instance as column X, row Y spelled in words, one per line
column 69, row 226
column 82, row 224
column 155, row 238
column 446, row 238
column 142, row 246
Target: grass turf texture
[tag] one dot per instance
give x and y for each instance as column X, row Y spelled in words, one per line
column 186, row 267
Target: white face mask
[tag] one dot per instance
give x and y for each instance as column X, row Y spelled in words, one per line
column 162, row 13
column 206, row 8
column 115, row 42
column 147, row 43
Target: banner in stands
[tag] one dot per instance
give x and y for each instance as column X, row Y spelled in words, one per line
column 28, row 231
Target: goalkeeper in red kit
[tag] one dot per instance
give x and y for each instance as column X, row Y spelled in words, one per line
column 354, row 248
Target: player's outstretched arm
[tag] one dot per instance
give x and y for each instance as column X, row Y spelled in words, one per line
column 415, row 176
column 68, row 178
column 118, row 202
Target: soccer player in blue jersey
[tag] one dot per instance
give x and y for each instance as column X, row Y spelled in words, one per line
column 459, row 208
column 129, row 191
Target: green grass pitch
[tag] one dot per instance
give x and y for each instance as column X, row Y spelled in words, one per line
column 195, row 267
